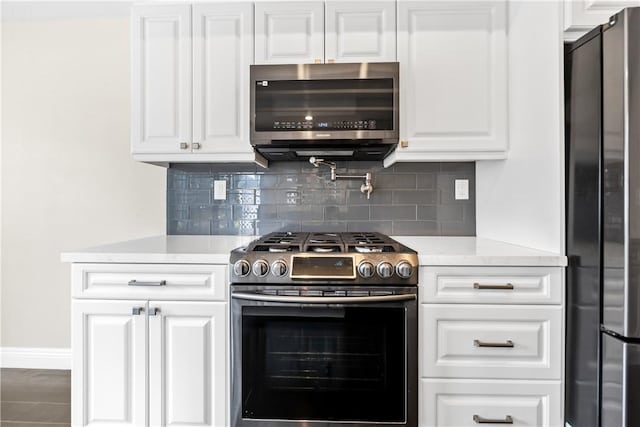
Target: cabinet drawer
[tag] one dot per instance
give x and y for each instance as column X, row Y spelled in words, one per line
column 470, row 341
column 492, row 285
column 157, row 281
column 451, row 403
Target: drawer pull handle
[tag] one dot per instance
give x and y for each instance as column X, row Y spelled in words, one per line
column 507, row 343
column 158, row 283
column 508, row 419
column 505, row 287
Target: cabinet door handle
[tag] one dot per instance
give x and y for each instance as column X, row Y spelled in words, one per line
column 137, row 310
column 158, row 283
column 184, row 145
column 505, row 287
column 508, row 419
column 404, row 143
column 331, row 61
column 196, row 145
column 317, row 61
column 507, row 343
column 154, row 311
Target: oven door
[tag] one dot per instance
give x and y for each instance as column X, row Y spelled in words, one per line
column 322, row 361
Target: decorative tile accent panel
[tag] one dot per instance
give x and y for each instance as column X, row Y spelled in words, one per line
column 408, row 199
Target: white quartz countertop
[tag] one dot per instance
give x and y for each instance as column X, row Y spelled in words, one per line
column 163, row 249
column 477, row 251
column 215, row 250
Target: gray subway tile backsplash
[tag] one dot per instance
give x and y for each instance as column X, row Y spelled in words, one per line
column 417, row 197
column 408, row 199
column 394, row 212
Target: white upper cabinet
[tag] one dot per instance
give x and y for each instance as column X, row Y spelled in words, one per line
column 453, row 80
column 222, row 53
column 360, row 31
column 190, row 82
column 161, row 81
column 300, row 33
column 581, row 16
column 289, row 32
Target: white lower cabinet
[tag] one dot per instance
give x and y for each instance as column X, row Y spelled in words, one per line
column 493, row 353
column 486, row 342
column 187, row 359
column 149, row 362
column 457, row 403
column 109, row 367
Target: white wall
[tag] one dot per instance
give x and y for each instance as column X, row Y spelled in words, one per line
column 67, row 177
column 521, row 200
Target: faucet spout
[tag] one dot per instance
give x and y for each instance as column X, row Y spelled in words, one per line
column 367, row 187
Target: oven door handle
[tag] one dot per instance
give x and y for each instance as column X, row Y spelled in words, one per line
column 322, row 300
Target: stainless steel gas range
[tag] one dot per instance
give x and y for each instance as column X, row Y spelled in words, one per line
column 324, row 331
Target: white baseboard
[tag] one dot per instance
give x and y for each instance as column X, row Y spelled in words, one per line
column 35, row 358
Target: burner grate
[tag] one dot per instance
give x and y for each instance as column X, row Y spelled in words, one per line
column 279, row 242
column 369, row 242
column 324, row 243
column 350, row 242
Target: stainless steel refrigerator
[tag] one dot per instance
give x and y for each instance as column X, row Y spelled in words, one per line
column 602, row 75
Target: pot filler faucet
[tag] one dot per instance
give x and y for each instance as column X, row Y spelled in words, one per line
column 366, row 188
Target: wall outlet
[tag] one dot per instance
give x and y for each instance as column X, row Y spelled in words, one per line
column 220, row 189
column 462, row 189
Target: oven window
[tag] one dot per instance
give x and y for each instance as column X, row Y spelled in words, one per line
column 311, row 363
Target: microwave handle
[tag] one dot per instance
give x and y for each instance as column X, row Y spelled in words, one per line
column 321, row 300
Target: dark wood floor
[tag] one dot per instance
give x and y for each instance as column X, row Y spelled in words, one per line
column 35, row 398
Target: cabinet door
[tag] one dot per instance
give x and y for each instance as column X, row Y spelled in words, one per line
column 289, row 32
column 161, row 79
column 109, row 363
column 187, row 359
column 223, row 51
column 358, row 31
column 453, row 79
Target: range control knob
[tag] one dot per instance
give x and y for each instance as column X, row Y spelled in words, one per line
column 260, row 268
column 279, row 268
column 385, row 270
column 404, row 269
column 366, row 269
column 241, row 268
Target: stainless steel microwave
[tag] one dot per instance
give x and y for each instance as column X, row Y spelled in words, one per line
column 336, row 111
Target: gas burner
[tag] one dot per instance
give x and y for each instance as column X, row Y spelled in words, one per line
column 368, row 249
column 323, row 249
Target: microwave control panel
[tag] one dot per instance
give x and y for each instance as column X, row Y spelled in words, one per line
column 320, row 125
